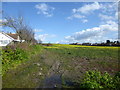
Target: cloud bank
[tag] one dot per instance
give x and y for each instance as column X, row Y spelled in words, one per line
column 95, row 34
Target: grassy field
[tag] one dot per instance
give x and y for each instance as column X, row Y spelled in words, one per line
column 66, row 63
column 0, row 69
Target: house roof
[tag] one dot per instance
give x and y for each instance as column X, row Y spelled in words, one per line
column 14, row 36
column 7, row 35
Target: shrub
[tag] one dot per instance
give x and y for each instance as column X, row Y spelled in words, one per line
column 116, row 80
column 10, row 55
column 94, row 79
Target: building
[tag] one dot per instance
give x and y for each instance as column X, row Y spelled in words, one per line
column 5, row 38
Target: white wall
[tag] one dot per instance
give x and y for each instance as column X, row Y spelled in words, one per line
column 4, row 40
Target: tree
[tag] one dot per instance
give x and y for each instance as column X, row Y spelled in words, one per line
column 21, row 28
column 107, row 41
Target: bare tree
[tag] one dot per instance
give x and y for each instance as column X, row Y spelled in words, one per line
column 21, row 28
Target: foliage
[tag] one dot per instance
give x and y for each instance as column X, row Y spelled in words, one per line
column 22, row 73
column 116, row 80
column 11, row 57
column 14, row 55
column 94, row 79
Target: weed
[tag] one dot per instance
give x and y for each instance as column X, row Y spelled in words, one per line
column 94, row 79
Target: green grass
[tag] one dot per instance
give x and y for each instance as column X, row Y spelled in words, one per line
column 105, row 57
column 16, row 72
column 0, row 61
column 78, row 59
column 12, row 57
column 74, row 61
column 26, row 75
column 92, row 52
column 0, row 68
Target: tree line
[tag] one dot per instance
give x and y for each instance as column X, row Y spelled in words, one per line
column 107, row 43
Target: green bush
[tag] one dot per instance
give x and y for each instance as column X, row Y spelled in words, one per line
column 12, row 57
column 116, row 80
column 94, row 79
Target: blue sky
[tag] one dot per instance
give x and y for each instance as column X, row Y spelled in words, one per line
column 67, row 22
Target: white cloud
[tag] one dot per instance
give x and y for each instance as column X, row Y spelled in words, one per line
column 107, row 11
column 38, row 30
column 3, row 20
column 44, row 9
column 62, row 42
column 110, row 26
column 84, row 20
column 78, row 16
column 79, row 13
column 0, row 20
column 105, row 7
column 109, row 8
column 107, row 30
column 74, row 10
column 95, row 34
column 45, row 37
column 88, row 8
column 106, row 17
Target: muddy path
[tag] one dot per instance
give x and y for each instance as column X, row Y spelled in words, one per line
column 51, row 70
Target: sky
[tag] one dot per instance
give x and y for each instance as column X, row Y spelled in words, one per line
column 68, row 22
